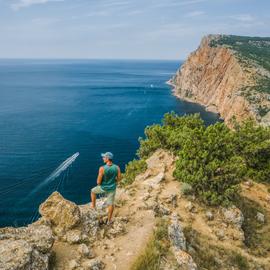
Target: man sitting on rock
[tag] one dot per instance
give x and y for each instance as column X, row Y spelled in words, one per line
column 108, row 177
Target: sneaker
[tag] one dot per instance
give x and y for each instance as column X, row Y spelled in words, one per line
column 109, row 222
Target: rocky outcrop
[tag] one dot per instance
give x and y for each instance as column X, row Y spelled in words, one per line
column 26, row 248
column 218, row 78
column 69, row 222
column 179, row 246
column 176, row 233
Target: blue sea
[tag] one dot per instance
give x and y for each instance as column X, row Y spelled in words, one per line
column 52, row 109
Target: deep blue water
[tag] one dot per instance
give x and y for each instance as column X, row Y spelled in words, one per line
column 51, row 109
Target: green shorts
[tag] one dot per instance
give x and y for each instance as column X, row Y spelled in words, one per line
column 110, row 194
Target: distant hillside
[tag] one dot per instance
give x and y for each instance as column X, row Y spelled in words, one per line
column 230, row 75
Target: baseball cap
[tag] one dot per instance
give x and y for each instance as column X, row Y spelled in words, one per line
column 108, row 155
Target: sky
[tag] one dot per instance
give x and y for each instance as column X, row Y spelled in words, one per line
column 123, row 29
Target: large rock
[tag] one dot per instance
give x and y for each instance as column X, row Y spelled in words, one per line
column 26, row 247
column 70, row 222
column 178, row 244
column 233, row 215
column 63, row 214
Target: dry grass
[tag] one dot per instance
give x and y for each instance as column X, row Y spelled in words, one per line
column 257, row 235
column 213, row 257
column 157, row 248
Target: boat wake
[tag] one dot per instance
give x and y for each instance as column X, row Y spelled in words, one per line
column 61, row 168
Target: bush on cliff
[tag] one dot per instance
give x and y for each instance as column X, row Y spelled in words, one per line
column 213, row 159
column 253, row 144
column 170, row 135
column 132, row 169
column 208, row 162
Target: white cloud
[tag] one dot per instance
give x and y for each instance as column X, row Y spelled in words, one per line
column 180, row 3
column 26, row 3
column 243, row 18
column 195, row 13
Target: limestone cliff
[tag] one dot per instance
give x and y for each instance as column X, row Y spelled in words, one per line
column 229, row 75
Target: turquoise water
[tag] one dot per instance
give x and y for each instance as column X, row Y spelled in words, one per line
column 52, row 109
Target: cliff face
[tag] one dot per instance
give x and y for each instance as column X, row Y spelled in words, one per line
column 225, row 80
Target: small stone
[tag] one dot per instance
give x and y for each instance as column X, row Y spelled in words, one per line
column 209, row 215
column 190, row 207
column 184, row 260
column 248, row 183
column 74, row 236
column 145, row 196
column 83, row 250
column 220, row 234
column 260, row 217
column 93, row 264
column 172, row 199
column 117, row 228
column 102, row 233
column 161, row 210
column 73, row 264
column 105, row 246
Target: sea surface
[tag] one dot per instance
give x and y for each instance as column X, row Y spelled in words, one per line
column 52, row 109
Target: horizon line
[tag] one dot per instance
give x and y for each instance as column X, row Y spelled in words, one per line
column 73, row 58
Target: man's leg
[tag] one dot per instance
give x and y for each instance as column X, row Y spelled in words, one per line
column 110, row 202
column 94, row 191
column 93, row 200
column 110, row 212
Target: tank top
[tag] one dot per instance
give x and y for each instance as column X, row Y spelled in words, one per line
column 109, row 177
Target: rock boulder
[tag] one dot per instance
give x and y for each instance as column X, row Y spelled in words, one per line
column 63, row 214
column 25, row 247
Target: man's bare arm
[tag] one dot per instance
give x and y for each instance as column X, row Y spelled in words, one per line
column 119, row 175
column 100, row 175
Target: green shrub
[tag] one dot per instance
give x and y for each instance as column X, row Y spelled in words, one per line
column 170, row 135
column 133, row 168
column 253, row 144
column 186, row 189
column 212, row 159
column 208, row 162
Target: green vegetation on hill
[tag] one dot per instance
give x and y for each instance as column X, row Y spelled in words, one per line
column 254, row 48
column 213, row 160
column 250, row 50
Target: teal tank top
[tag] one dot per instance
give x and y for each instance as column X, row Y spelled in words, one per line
column 109, row 177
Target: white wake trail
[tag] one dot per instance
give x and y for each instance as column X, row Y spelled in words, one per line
column 62, row 167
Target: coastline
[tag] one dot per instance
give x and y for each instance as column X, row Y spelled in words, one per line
column 212, row 109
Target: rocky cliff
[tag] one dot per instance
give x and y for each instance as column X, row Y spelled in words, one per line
column 229, row 75
column 193, row 236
